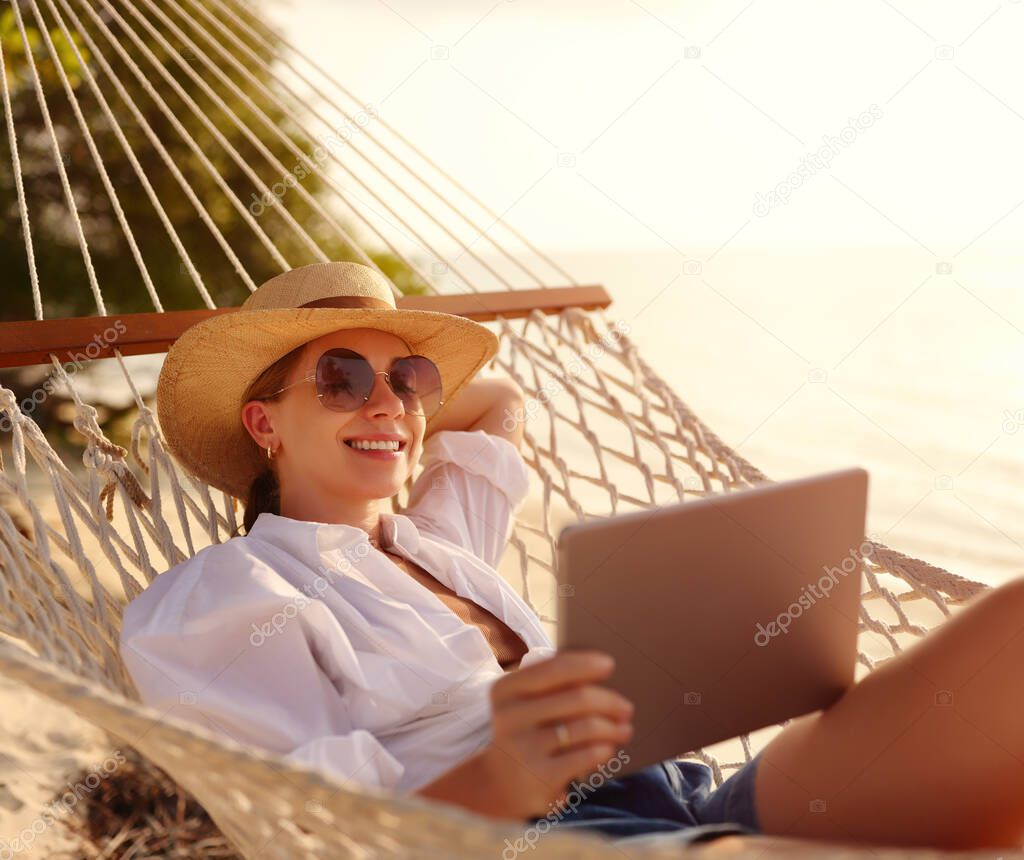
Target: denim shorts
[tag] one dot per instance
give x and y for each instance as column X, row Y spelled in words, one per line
column 672, row 797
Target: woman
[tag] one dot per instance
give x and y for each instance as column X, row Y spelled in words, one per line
column 386, row 649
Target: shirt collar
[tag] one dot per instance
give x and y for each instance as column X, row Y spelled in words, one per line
column 401, row 532
column 302, row 537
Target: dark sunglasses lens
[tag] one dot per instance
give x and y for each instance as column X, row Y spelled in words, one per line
column 417, row 381
column 344, row 379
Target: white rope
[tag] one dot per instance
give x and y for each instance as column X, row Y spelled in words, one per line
column 59, row 161
column 287, row 141
column 180, row 128
column 229, row 112
column 97, row 159
column 133, row 160
column 400, row 187
column 283, row 58
column 26, row 227
column 328, row 179
column 165, row 156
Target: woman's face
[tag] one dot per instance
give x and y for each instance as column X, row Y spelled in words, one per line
column 314, row 455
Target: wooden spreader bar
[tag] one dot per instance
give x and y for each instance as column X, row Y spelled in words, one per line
column 80, row 339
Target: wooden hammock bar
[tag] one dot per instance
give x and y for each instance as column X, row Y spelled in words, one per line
column 80, row 339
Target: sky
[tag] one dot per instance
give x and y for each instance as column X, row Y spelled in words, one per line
column 669, row 125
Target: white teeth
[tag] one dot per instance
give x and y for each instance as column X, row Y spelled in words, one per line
column 373, row 445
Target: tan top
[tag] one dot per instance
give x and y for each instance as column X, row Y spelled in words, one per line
column 508, row 648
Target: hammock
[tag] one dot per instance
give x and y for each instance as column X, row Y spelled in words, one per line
column 605, row 433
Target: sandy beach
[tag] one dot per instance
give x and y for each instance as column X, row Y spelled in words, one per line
column 47, row 752
column 43, row 746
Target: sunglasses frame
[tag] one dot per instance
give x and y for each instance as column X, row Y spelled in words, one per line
column 376, row 373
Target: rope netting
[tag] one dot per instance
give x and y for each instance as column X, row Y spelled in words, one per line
column 604, row 433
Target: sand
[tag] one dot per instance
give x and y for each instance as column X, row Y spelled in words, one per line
column 43, row 746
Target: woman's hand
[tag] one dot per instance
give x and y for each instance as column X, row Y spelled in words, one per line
column 531, row 770
column 493, row 404
column 524, row 770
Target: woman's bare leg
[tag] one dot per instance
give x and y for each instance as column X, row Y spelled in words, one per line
column 926, row 750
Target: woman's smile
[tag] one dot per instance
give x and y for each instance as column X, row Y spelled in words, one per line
column 381, row 446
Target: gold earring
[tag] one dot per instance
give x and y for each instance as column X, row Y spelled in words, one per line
column 270, row 454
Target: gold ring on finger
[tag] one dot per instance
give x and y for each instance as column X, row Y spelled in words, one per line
column 562, row 733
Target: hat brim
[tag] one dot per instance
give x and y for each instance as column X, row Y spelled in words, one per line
column 210, row 366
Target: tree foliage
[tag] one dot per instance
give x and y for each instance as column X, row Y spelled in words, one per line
column 63, row 278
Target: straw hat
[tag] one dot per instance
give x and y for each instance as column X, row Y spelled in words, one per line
column 210, row 366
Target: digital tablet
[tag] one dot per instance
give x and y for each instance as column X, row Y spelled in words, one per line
column 724, row 614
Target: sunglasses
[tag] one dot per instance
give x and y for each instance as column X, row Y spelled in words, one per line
column 344, row 381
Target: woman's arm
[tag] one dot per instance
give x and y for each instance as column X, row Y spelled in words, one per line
column 238, row 653
column 493, row 404
column 474, row 476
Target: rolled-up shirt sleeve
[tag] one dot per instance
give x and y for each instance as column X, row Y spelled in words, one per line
column 471, row 485
column 232, row 646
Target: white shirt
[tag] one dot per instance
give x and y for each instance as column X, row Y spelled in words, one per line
column 302, row 639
